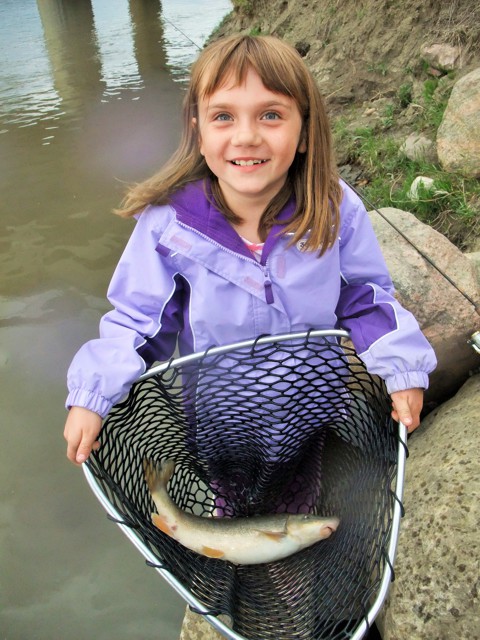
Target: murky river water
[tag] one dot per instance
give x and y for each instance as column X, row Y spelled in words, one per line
column 89, row 100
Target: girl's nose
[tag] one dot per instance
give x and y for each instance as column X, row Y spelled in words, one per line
column 245, row 135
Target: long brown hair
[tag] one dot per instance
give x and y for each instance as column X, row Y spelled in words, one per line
column 313, row 178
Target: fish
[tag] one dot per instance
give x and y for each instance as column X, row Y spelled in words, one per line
column 239, row 540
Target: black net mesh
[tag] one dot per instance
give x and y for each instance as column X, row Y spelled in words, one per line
column 292, row 426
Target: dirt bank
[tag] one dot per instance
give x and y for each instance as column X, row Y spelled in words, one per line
column 366, row 57
column 361, row 49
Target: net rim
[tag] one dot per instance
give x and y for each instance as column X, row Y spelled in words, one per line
column 244, row 344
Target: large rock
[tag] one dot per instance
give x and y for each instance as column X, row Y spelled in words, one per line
column 458, row 137
column 195, row 627
column 442, row 56
column 418, row 147
column 474, row 257
column 435, row 593
column 447, row 318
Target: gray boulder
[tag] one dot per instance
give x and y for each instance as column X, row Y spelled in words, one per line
column 442, row 56
column 435, row 593
column 195, row 627
column 458, row 137
column 419, row 147
column 475, row 258
column 447, row 318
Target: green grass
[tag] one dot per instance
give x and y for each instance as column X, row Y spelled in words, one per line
column 380, row 68
column 404, row 94
column 453, row 208
column 434, row 102
column 387, row 177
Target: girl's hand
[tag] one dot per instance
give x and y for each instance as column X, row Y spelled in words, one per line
column 81, row 431
column 407, row 406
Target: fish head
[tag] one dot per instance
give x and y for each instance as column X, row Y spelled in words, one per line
column 309, row 528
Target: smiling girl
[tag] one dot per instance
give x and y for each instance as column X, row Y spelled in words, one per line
column 246, row 231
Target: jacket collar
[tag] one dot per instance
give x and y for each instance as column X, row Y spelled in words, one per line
column 195, row 208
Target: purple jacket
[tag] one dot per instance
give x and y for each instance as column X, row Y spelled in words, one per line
column 186, row 273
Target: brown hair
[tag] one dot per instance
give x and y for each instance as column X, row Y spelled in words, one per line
column 313, row 178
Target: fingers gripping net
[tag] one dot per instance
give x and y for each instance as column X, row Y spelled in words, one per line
column 288, row 424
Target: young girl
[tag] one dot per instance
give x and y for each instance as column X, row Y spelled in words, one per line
column 246, row 231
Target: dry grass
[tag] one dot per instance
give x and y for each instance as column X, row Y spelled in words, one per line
column 458, row 23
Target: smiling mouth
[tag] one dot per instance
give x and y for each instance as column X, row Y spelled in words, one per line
column 247, row 163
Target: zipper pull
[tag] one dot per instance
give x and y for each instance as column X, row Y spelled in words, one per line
column 267, row 283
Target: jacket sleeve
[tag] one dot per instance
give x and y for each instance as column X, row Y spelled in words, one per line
column 385, row 335
column 141, row 328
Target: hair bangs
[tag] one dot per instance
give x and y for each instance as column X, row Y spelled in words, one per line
column 232, row 58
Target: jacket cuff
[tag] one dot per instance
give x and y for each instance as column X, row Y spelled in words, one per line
column 407, row 380
column 88, row 400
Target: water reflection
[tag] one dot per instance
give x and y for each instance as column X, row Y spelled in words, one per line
column 72, row 49
column 26, row 89
column 90, row 93
column 115, row 41
column 149, row 39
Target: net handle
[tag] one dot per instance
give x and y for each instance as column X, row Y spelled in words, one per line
column 214, row 351
column 393, row 542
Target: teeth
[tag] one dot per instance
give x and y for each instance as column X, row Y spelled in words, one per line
column 247, row 163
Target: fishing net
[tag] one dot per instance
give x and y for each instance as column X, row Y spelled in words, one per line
column 280, row 424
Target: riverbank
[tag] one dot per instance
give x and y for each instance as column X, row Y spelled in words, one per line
column 380, row 88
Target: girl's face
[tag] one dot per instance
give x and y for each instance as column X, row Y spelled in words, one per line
column 249, row 136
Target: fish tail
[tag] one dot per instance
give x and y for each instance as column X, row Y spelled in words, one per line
column 157, row 476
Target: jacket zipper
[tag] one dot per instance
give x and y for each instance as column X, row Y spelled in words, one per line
column 267, row 283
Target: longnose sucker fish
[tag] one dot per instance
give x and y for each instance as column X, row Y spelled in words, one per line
column 242, row 540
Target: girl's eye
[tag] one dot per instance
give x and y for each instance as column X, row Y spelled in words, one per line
column 271, row 115
column 222, row 117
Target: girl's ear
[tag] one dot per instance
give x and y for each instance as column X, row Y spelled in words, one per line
column 197, row 133
column 302, row 145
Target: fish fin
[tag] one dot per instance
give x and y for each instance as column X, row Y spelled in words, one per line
column 158, row 476
column 274, row 535
column 161, row 523
column 212, row 553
